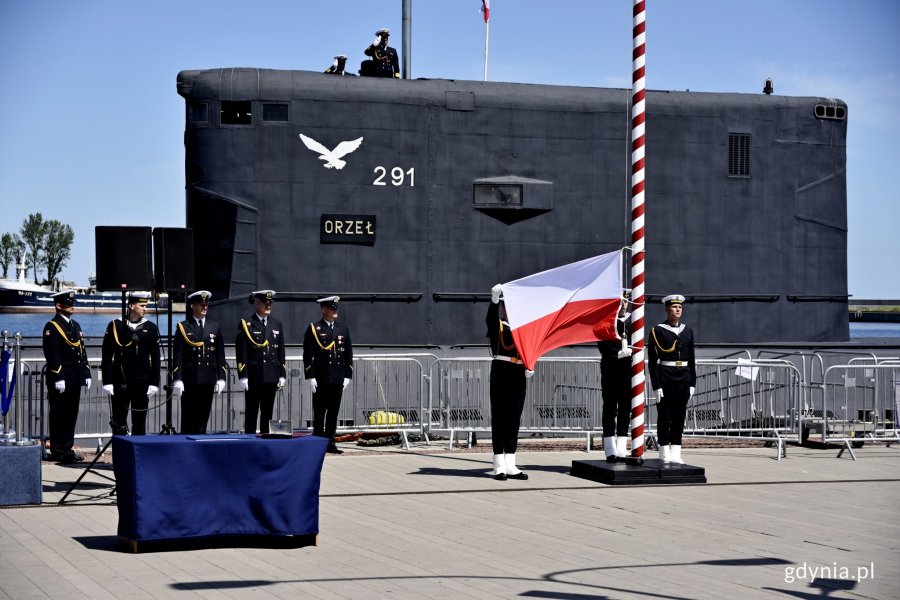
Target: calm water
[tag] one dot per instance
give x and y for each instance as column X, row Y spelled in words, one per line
column 31, row 325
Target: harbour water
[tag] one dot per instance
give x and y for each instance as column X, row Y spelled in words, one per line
column 93, row 325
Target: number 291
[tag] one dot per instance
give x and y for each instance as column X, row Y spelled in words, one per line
column 398, row 176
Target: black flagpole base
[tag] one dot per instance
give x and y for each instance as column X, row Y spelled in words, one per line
column 637, row 471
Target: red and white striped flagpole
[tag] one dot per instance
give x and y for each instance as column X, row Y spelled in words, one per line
column 637, row 229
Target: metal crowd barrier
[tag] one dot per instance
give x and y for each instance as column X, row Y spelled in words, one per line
column 562, row 398
column 742, row 398
column 772, row 399
column 860, row 401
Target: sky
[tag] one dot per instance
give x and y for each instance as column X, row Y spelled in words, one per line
column 91, row 126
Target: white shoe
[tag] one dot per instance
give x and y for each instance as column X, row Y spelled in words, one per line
column 609, row 447
column 675, row 455
column 622, row 446
column 664, row 454
column 499, row 467
column 512, row 471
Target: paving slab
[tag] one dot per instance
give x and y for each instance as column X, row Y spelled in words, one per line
column 425, row 522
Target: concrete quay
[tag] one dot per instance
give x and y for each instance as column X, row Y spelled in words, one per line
column 429, row 522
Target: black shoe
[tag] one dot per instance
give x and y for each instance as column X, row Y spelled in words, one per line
column 54, row 457
column 612, row 459
column 521, row 475
column 500, row 476
column 334, row 450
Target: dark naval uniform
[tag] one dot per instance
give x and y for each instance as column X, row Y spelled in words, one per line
column 385, row 62
column 199, row 361
column 507, row 390
column 259, row 350
column 507, row 383
column 66, row 361
column 615, row 380
column 130, row 364
column 327, row 358
column 672, row 368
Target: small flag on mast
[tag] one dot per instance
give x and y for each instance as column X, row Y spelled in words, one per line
column 486, row 9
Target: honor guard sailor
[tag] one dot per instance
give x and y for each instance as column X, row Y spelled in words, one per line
column 199, row 367
column 508, row 375
column 673, row 375
column 259, row 349
column 130, row 365
column 615, row 382
column 328, row 367
column 66, row 372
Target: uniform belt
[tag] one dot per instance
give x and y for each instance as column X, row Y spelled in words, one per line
column 673, row 363
column 513, row 359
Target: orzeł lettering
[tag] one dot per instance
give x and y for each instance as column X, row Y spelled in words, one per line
column 350, row 227
column 347, row 229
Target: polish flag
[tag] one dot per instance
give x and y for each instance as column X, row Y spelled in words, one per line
column 571, row 304
column 486, row 9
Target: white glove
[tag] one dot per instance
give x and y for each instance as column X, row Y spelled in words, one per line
column 692, row 392
column 377, row 40
column 178, row 388
column 659, row 395
column 220, row 385
column 109, row 389
column 624, row 353
column 495, row 293
column 280, row 382
column 346, row 383
column 87, row 383
column 529, row 373
column 313, row 384
column 60, row 386
column 152, row 390
column 244, row 384
column 334, row 64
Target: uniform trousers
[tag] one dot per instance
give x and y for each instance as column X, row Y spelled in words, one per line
column 507, row 401
column 133, row 395
column 63, row 417
column 196, row 403
column 671, row 412
column 615, row 379
column 259, row 399
column 326, row 406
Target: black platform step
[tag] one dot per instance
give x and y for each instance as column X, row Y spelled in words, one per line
column 651, row 472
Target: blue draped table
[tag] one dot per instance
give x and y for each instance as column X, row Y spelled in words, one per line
column 175, row 487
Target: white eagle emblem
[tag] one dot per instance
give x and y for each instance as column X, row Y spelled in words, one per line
column 332, row 158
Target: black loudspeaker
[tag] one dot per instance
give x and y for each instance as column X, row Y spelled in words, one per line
column 173, row 258
column 123, row 258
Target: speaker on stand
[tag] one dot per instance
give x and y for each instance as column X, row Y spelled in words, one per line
column 173, row 259
column 123, row 260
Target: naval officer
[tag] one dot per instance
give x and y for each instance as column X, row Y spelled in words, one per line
column 615, row 382
column 328, row 367
column 507, row 388
column 130, row 365
column 259, row 349
column 384, row 58
column 673, row 375
column 199, row 368
column 66, row 372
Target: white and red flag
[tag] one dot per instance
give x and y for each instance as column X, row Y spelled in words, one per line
column 571, row 304
column 486, row 9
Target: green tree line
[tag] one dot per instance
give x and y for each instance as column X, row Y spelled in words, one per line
column 43, row 245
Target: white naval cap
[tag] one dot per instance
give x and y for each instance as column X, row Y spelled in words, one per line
column 199, row 296
column 262, row 295
column 673, row 299
column 138, row 297
column 329, row 301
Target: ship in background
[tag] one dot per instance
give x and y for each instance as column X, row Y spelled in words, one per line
column 411, row 198
column 22, row 296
